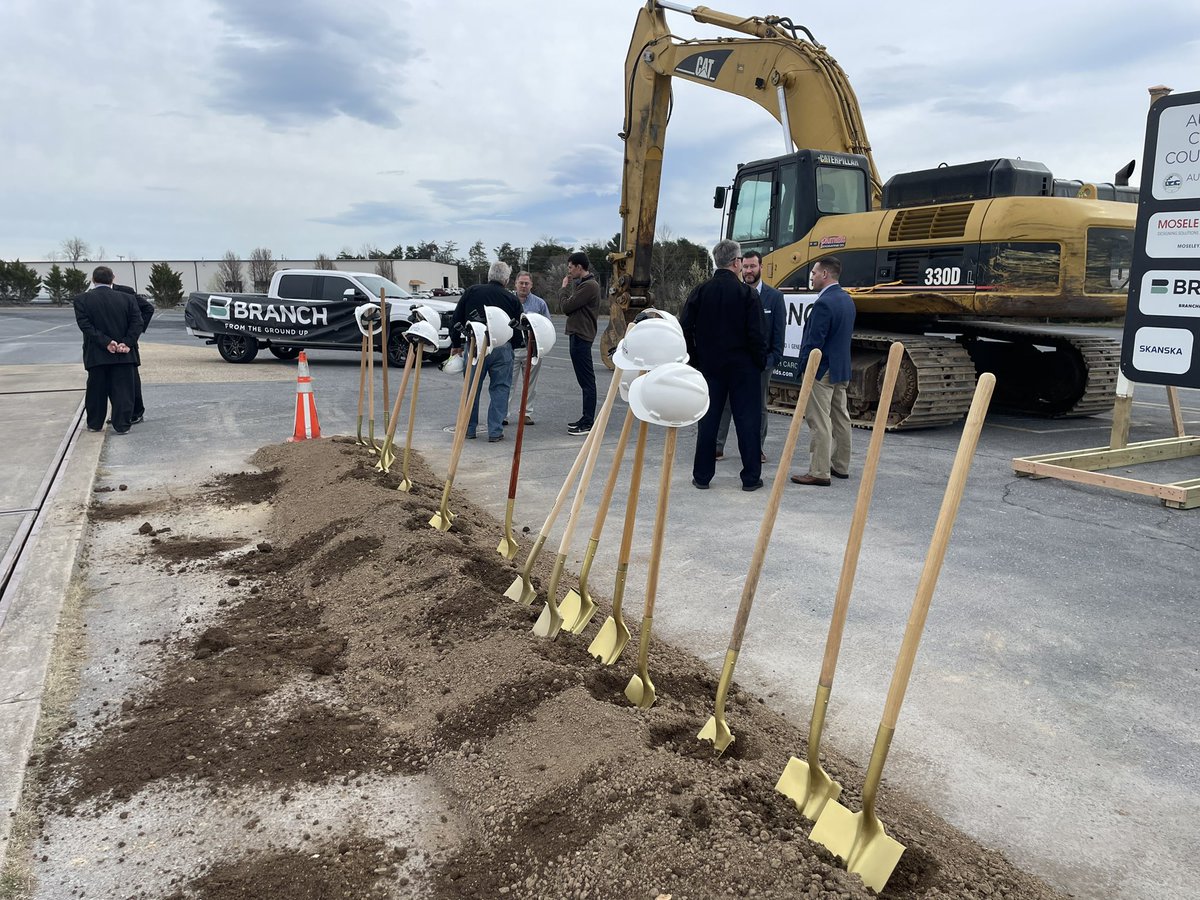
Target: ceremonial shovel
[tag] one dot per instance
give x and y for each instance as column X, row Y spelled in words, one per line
column 384, row 316
column 859, row 838
column 716, row 729
column 406, row 485
column 613, row 635
column 521, row 590
column 508, row 543
column 386, row 456
column 443, row 518
column 806, row 783
column 577, row 607
column 362, row 389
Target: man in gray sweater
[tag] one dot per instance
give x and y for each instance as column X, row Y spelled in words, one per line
column 581, row 302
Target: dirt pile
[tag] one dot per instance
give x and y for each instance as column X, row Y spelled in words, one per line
column 362, row 642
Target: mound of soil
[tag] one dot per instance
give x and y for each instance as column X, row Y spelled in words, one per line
column 364, row 642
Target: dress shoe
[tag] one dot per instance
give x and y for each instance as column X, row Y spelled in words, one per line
column 810, row 479
column 836, row 474
column 90, row 428
column 697, row 484
column 753, row 487
column 505, row 422
column 720, row 455
column 496, row 437
column 762, row 457
column 120, row 431
column 529, row 420
column 137, row 420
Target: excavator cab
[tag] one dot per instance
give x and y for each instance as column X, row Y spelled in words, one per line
column 778, row 201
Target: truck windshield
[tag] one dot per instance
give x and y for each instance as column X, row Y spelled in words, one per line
column 374, row 283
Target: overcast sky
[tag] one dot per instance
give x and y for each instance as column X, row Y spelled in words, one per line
column 189, row 128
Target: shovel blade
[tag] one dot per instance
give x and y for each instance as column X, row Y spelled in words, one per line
column 520, row 591
column 809, row 789
column 860, row 841
column 507, row 548
column 569, row 609
column 404, row 485
column 442, row 522
column 640, row 692
column 717, row 731
column 609, row 641
column 587, row 609
column 549, row 623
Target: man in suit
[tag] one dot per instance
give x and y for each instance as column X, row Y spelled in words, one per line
column 723, row 324
column 830, row 328
column 776, row 320
column 110, row 322
column 146, row 308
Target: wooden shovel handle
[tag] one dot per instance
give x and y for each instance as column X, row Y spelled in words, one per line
column 585, row 479
column 412, row 405
column 858, row 524
column 613, row 473
column 408, row 367
column 530, row 349
column 660, row 520
column 383, row 311
column 937, row 548
column 460, row 431
column 362, row 374
column 768, row 521
column 635, row 485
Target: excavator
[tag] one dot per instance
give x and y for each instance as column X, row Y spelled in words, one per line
column 959, row 262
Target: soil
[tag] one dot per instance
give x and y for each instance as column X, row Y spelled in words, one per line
column 357, row 642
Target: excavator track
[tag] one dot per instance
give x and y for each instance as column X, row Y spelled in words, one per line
column 935, row 385
column 1044, row 373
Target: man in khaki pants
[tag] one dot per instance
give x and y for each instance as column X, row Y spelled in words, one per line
column 830, row 328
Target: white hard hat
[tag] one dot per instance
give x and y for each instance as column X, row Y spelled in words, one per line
column 427, row 314
column 654, row 313
column 368, row 317
column 544, row 334
column 480, row 331
column 628, row 376
column 672, row 394
column 499, row 330
column 455, row 365
column 649, row 344
column 422, row 332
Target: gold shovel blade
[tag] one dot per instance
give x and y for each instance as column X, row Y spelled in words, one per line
column 809, row 790
column 549, row 623
column 569, row 609
column 507, row 548
column 442, row 522
column 717, row 731
column 585, row 610
column 860, row 841
column 404, row 485
column 609, row 641
column 640, row 692
column 520, row 591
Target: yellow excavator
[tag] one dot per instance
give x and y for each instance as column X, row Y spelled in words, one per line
column 961, row 261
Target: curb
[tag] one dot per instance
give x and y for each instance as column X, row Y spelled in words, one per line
column 38, row 589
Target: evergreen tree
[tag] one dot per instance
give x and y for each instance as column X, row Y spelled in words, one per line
column 77, row 281
column 166, row 285
column 19, row 283
column 56, row 284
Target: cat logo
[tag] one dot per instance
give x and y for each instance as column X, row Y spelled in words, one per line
column 705, row 66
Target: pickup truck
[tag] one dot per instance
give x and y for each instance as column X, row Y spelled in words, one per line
column 307, row 308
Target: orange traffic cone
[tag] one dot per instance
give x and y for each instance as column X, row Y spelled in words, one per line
column 307, row 426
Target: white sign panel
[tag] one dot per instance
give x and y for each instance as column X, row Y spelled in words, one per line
column 1173, row 292
column 798, row 307
column 1167, row 350
column 1171, row 235
column 1177, row 154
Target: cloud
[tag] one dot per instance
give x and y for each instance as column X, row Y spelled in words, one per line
column 467, row 192
column 370, row 213
column 291, row 63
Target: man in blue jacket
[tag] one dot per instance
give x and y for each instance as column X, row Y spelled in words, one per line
column 776, row 318
column 830, row 328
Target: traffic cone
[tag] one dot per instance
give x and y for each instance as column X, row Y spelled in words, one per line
column 307, row 426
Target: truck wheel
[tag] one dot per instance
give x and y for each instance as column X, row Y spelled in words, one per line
column 397, row 348
column 237, row 348
column 284, row 352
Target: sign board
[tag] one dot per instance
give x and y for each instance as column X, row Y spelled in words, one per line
column 1162, row 321
column 798, row 308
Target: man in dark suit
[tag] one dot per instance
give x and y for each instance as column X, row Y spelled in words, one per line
column 723, row 324
column 146, row 308
column 776, row 320
column 830, row 328
column 110, row 322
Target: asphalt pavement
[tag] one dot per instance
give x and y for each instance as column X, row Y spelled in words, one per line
column 1051, row 712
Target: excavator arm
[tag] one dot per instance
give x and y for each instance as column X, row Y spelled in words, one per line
column 777, row 65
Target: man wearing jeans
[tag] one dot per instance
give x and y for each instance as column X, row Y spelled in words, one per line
column 498, row 364
column 581, row 302
column 830, row 327
column 530, row 303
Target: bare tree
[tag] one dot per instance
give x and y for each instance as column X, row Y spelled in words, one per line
column 383, row 266
column 262, row 268
column 75, row 249
column 229, row 272
column 323, row 261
